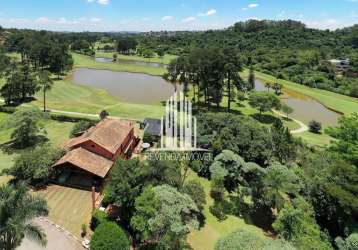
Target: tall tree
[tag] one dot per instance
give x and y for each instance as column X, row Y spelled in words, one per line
column 251, row 78
column 46, row 84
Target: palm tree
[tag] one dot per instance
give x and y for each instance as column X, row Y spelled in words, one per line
column 17, row 209
column 268, row 86
column 46, row 84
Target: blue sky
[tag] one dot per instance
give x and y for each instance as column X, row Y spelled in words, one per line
column 146, row 15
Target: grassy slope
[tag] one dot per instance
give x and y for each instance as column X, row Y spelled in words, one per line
column 164, row 60
column 77, row 98
column 57, row 133
column 88, row 62
column 206, row 237
column 334, row 101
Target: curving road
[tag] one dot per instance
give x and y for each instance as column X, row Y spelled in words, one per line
column 303, row 127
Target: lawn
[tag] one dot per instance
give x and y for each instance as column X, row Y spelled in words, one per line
column 69, row 208
column 163, row 60
column 206, row 237
column 83, row 61
column 68, row 96
column 57, row 133
column 337, row 102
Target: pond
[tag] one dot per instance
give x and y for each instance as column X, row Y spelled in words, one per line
column 305, row 108
column 122, row 61
column 128, row 87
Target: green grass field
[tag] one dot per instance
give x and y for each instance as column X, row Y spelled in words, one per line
column 69, row 208
column 68, row 96
column 206, row 237
column 57, row 133
column 83, row 61
column 164, row 60
column 334, row 101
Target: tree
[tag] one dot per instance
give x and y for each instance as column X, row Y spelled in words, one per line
column 350, row 243
column 315, row 127
column 295, row 223
column 80, row 127
column 196, row 191
column 347, row 138
column 109, row 236
column 251, row 79
column 129, row 178
column 18, row 208
column 45, row 83
column 228, row 166
column 264, row 101
column 34, row 166
column 287, row 110
column 279, row 182
column 268, row 85
column 165, row 216
column 277, row 87
column 103, row 114
column 26, row 127
column 284, row 147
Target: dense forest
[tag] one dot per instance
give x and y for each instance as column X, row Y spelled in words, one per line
column 285, row 49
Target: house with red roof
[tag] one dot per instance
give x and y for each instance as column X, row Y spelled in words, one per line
column 90, row 156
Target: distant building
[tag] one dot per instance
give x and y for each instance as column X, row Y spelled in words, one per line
column 341, row 65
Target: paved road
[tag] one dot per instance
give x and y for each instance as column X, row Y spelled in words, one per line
column 56, row 239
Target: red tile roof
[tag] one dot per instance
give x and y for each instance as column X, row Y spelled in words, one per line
column 109, row 134
column 87, row 161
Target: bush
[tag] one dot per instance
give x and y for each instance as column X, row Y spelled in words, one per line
column 197, row 193
column 34, row 166
column 80, row 127
column 218, row 211
column 315, row 127
column 109, row 236
column 66, row 118
column 241, row 240
column 98, row 218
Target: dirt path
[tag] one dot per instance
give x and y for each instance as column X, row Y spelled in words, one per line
column 303, row 128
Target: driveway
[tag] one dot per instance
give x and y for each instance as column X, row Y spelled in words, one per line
column 56, row 239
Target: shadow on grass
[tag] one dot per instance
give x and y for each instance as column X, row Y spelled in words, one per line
column 11, row 147
column 265, row 118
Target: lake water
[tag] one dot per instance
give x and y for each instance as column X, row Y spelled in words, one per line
column 143, row 63
column 305, row 108
column 128, row 87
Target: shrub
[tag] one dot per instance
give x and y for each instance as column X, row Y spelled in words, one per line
column 315, row 127
column 218, row 211
column 109, row 236
column 197, row 193
column 240, row 240
column 81, row 126
column 98, row 218
column 34, row 166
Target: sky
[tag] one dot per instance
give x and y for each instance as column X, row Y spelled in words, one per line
column 155, row 15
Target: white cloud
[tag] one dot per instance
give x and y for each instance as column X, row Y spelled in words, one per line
column 208, row 13
column 103, row 2
column 95, row 19
column 188, row 19
column 252, row 5
column 167, row 18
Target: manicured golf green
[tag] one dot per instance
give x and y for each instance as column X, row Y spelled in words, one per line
column 164, row 60
column 331, row 100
